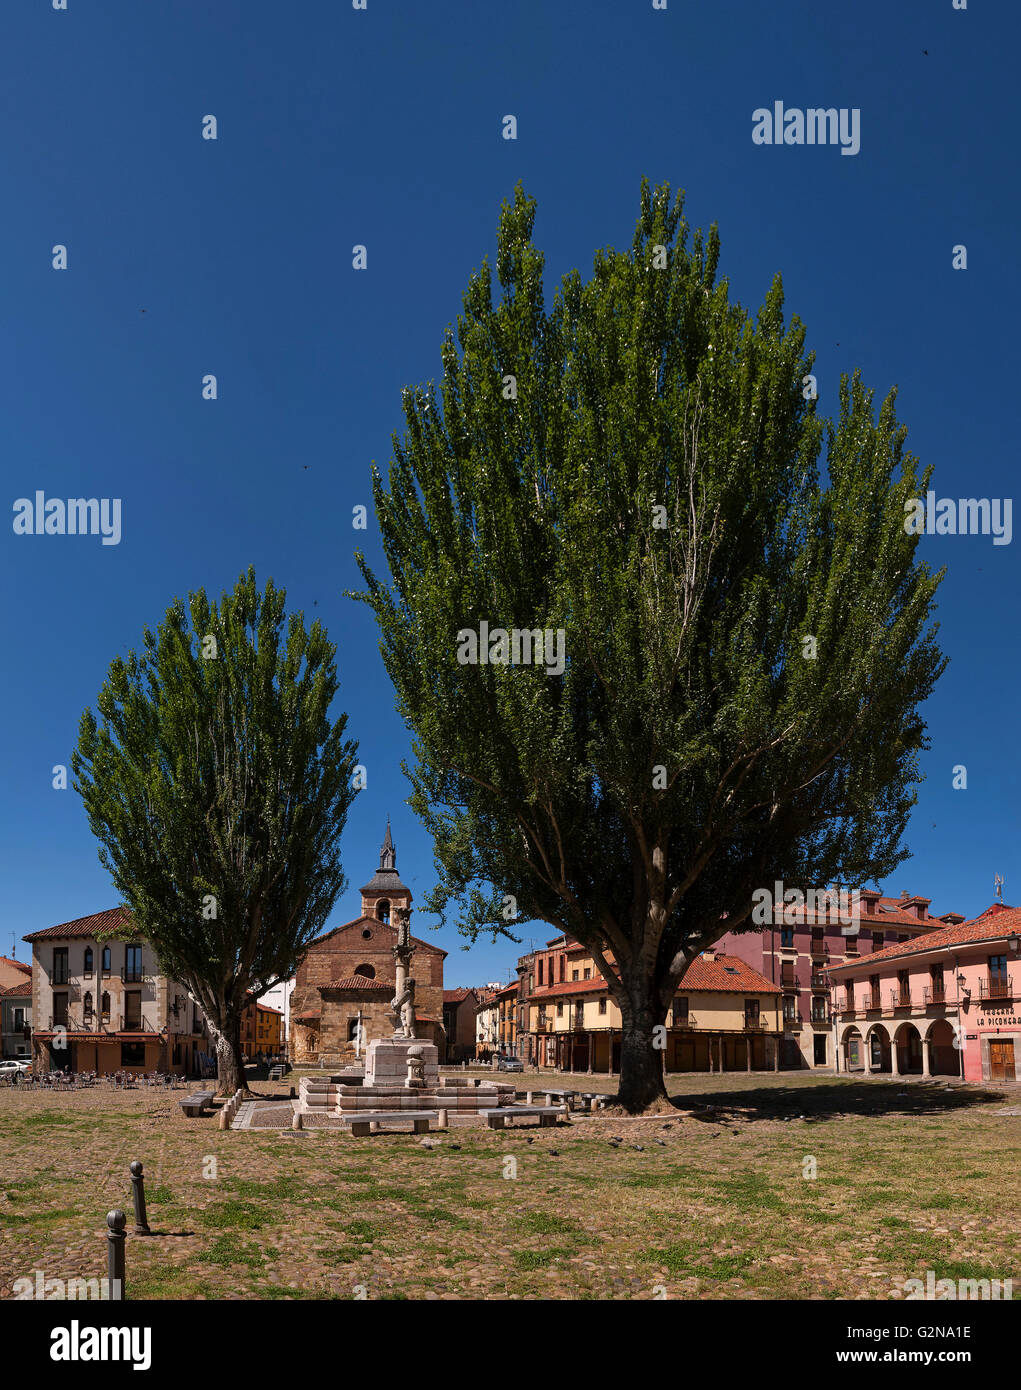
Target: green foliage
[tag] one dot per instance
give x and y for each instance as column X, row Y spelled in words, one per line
column 218, row 787
column 647, row 388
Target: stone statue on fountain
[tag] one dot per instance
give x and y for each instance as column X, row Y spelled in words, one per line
column 403, row 1003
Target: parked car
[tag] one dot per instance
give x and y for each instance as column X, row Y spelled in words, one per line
column 509, row 1064
column 10, row 1068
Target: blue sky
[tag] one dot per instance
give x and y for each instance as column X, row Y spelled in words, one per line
column 383, row 128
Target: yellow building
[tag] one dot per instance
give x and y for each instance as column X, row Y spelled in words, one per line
column 262, row 1030
column 725, row 1015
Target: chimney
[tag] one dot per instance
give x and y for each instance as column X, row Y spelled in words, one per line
column 709, row 955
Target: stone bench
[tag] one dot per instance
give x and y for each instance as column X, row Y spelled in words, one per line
column 552, row 1096
column 547, row 1114
column 361, row 1121
column 195, row 1104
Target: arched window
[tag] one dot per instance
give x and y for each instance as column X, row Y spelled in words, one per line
column 87, row 967
column 366, row 970
column 106, row 960
column 383, row 910
column 104, row 1007
column 87, row 1007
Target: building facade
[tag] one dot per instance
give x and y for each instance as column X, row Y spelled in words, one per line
column 279, row 998
column 487, row 1023
column 725, row 1015
column 459, row 1006
column 946, row 1004
column 262, row 1030
column 345, row 982
column 100, row 1003
column 794, row 951
column 16, row 1020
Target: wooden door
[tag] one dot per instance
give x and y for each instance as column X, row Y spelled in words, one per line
column 1001, row 1061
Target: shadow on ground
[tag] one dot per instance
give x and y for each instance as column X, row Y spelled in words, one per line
column 827, row 1102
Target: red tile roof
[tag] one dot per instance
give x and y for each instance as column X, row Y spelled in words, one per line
column 729, row 974
column 18, row 991
column 312, row 1017
column 456, row 996
column 357, row 982
column 995, row 924
column 112, row 919
column 18, row 964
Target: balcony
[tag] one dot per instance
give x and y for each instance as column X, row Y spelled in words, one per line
column 874, row 1003
column 756, row 1025
column 934, row 994
column 820, row 982
column 900, row 999
column 996, row 989
column 132, row 975
column 821, row 1018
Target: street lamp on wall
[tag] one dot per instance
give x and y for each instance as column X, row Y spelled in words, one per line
column 1014, row 942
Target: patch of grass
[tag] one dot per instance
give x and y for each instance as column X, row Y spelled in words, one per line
column 541, row 1259
column 363, row 1230
column 436, row 1216
column 227, row 1250
column 159, row 1195
column 544, row 1223
column 231, row 1213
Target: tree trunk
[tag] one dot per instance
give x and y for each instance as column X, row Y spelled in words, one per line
column 230, row 1070
column 641, row 1064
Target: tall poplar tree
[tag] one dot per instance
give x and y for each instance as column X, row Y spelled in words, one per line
column 218, row 786
column 747, row 643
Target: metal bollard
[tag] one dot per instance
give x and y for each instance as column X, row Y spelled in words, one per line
column 138, row 1192
column 115, row 1254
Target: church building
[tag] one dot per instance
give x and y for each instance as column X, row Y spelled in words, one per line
column 345, row 983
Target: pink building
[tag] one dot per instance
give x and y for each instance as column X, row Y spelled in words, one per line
column 944, row 1004
column 794, row 950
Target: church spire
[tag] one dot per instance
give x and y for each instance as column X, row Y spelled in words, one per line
column 387, row 853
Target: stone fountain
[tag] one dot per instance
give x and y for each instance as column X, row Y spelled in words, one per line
column 402, row 1072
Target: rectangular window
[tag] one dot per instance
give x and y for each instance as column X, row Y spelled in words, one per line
column 60, row 1010
column 751, row 1012
column 59, row 965
column 680, row 1010
column 563, row 968
column 787, row 938
column 903, row 987
column 588, row 972
column 132, row 965
column 540, row 970
column 574, row 974
column 602, row 1006
column 19, row 1020
column 790, row 1008
column 787, row 973
column 132, row 1054
column 560, row 1011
